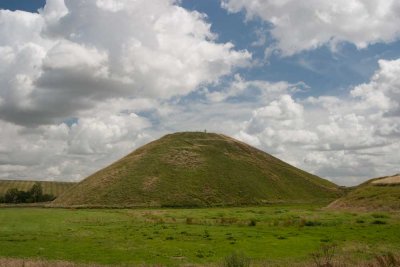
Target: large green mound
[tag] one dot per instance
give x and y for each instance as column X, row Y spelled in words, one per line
column 197, row 169
column 376, row 194
column 49, row 187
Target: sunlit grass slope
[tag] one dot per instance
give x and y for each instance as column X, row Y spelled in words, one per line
column 376, row 194
column 198, row 169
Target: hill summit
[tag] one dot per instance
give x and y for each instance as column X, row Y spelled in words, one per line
column 197, row 169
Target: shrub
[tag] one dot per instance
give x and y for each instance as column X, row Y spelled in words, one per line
column 324, row 256
column 378, row 222
column 252, row 222
column 312, row 223
column 35, row 194
column 236, row 260
column 12, row 196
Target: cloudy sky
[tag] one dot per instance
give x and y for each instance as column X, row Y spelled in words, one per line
column 315, row 83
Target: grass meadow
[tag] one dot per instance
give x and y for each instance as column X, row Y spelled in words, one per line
column 278, row 235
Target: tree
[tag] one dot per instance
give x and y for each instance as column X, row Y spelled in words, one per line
column 36, row 192
column 12, row 196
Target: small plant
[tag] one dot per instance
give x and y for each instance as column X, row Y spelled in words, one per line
column 312, row 223
column 324, row 256
column 380, row 216
column 189, row 220
column 252, row 222
column 378, row 222
column 206, row 234
column 236, row 260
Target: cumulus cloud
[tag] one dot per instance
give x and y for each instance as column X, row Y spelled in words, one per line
column 346, row 139
column 76, row 77
column 82, row 83
column 304, row 25
column 69, row 152
column 259, row 89
column 73, row 54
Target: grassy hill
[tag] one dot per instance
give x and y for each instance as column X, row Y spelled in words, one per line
column 53, row 188
column 376, row 194
column 198, row 169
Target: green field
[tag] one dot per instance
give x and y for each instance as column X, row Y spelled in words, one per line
column 53, row 188
column 284, row 234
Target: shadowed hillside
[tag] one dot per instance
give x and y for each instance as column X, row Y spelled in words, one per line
column 376, row 194
column 198, row 169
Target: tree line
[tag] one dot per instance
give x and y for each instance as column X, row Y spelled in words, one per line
column 35, row 194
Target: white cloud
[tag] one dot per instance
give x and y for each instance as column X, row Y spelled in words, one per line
column 305, row 25
column 347, row 139
column 73, row 99
column 60, row 61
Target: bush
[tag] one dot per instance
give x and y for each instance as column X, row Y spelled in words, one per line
column 35, row 194
column 12, row 196
column 378, row 222
column 236, row 260
column 252, row 222
column 312, row 223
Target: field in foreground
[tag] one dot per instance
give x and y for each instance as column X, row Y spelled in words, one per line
column 282, row 235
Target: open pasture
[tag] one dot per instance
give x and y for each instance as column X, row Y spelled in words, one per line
column 275, row 234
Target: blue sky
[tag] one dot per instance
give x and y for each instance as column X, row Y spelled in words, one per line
column 312, row 84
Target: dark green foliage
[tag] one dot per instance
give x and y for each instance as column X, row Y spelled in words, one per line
column 312, row 223
column 378, row 222
column 48, row 187
column 34, row 195
column 252, row 222
column 36, row 192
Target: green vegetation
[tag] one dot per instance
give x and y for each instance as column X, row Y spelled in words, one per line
column 34, row 195
column 50, row 188
column 284, row 235
column 195, row 169
column 374, row 194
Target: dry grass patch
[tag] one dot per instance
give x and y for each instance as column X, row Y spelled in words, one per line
column 393, row 180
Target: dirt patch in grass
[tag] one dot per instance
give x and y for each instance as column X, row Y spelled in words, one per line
column 150, row 183
column 184, row 158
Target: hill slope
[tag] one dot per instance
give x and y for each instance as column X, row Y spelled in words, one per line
column 376, row 194
column 197, row 169
column 49, row 187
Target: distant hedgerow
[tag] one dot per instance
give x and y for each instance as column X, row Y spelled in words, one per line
column 34, row 195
